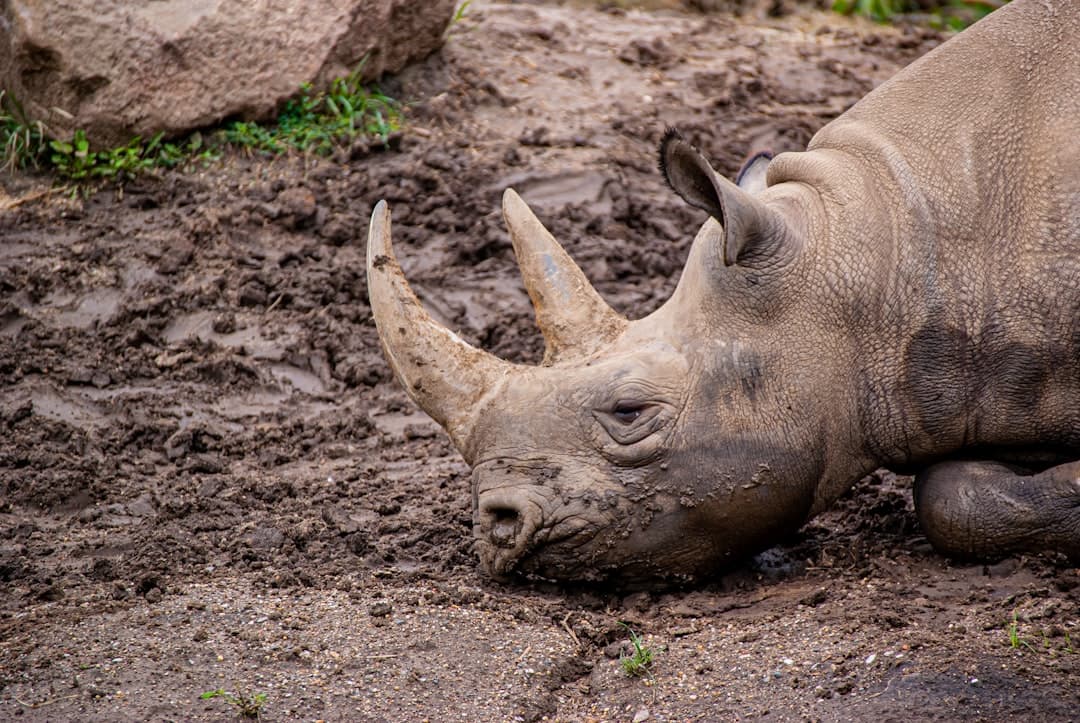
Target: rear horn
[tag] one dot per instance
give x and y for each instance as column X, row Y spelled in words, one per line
column 573, row 318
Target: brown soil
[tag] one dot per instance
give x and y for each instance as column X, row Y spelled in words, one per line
column 209, row 480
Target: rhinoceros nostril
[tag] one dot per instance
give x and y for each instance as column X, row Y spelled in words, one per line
column 504, row 525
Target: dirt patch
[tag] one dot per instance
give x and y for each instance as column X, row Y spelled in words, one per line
column 209, row 480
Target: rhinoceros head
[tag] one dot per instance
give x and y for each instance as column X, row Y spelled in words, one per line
column 637, row 450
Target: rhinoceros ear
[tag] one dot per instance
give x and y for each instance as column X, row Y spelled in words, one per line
column 753, row 233
column 751, row 176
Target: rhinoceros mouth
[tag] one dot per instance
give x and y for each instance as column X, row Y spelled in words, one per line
column 550, row 549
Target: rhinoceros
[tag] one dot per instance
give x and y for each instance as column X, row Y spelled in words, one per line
column 904, row 294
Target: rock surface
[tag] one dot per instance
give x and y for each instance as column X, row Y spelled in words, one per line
column 118, row 68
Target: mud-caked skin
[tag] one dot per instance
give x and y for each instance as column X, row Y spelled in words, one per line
column 904, row 294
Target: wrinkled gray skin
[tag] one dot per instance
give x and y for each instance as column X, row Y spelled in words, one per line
column 904, row 294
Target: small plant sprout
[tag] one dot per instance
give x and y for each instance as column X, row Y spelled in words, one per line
column 460, row 12
column 1013, row 631
column 1017, row 640
column 247, row 705
column 459, row 15
column 637, row 664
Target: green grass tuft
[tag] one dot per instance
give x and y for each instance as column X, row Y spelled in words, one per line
column 637, row 663
column 1018, row 640
column 946, row 14
column 74, row 161
column 1015, row 639
column 247, row 705
column 309, row 123
column 322, row 122
column 879, row 10
column 23, row 140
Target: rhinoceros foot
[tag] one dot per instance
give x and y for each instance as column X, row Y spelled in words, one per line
column 983, row 510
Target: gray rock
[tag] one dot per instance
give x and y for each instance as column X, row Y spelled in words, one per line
column 265, row 538
column 380, row 609
column 119, row 68
column 142, row 506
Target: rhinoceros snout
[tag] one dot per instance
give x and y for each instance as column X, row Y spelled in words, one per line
column 505, row 525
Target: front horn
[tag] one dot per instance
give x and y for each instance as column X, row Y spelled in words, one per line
column 573, row 318
column 442, row 373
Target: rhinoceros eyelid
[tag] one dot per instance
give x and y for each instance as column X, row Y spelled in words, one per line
column 628, row 423
column 628, row 412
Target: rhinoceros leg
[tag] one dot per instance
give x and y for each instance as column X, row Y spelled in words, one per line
column 983, row 510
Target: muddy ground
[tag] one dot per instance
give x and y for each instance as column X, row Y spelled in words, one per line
column 209, row 480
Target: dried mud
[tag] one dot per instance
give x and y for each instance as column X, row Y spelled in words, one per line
column 209, row 480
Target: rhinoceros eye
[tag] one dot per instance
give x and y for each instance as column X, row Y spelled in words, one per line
column 629, row 421
column 627, row 412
